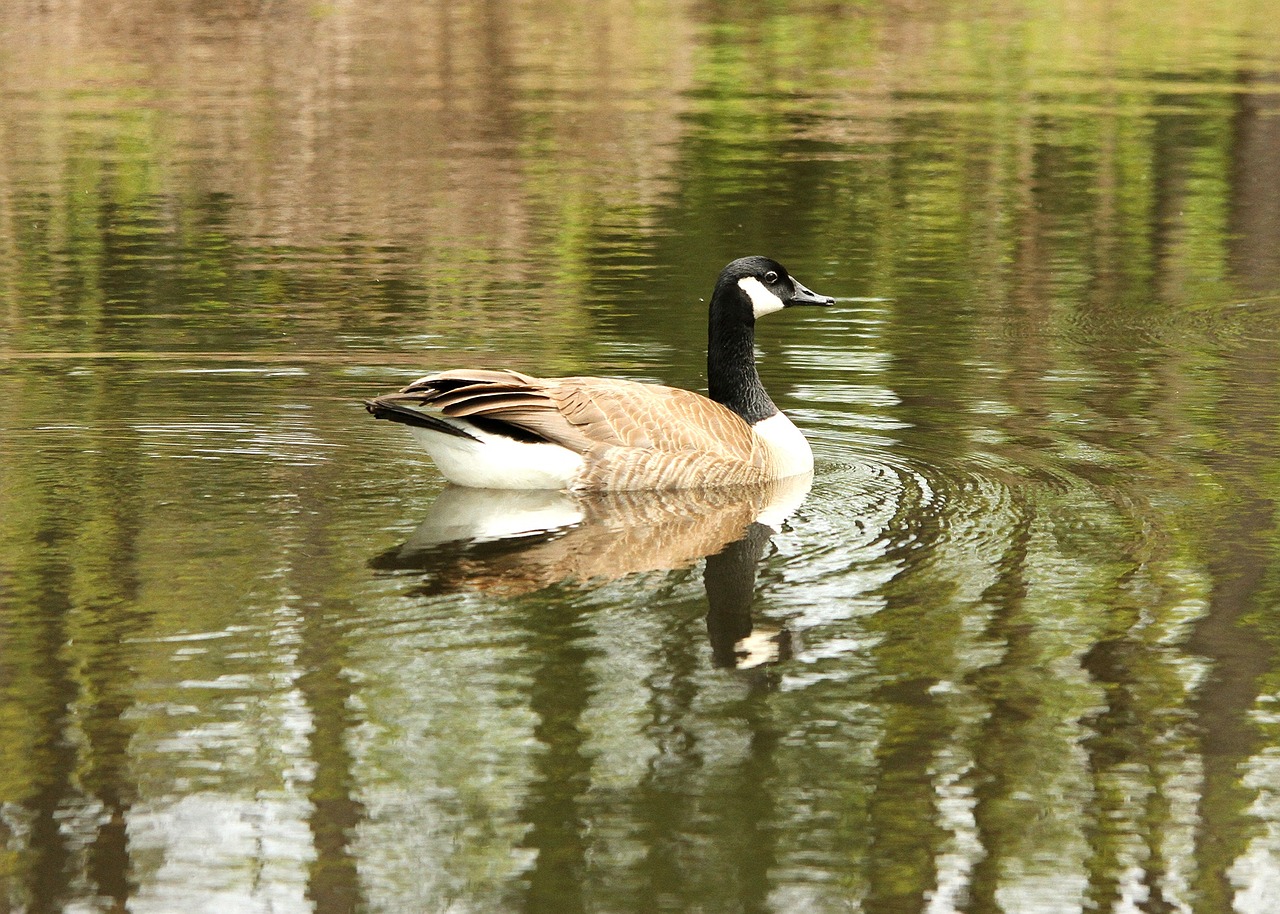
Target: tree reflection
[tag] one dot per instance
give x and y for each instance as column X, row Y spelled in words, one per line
column 1029, row 654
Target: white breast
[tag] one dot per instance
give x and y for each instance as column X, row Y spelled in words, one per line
column 791, row 452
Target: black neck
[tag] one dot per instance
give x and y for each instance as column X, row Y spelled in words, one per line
column 732, row 379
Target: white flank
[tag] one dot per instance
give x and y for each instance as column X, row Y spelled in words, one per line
column 762, row 300
column 495, row 462
column 791, row 452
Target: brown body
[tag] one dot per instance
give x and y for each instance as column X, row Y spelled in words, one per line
column 629, row 435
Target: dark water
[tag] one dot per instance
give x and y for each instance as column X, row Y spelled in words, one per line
column 1017, row 650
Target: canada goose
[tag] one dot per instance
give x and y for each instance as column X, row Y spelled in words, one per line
column 505, row 430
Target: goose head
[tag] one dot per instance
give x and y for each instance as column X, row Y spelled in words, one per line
column 751, row 287
column 748, row 288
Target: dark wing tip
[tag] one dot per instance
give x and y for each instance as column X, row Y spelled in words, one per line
column 390, row 408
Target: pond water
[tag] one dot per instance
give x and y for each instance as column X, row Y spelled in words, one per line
column 1016, row 649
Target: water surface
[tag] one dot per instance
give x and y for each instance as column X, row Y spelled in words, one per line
column 1015, row 650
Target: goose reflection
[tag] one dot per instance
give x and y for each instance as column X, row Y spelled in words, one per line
column 511, row 542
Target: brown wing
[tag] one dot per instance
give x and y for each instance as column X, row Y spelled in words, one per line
column 634, row 436
column 649, row 436
column 517, row 403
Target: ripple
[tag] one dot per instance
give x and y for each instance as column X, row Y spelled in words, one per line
column 898, row 500
column 281, row 441
column 874, row 519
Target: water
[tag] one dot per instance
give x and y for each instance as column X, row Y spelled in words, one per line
column 1015, row 650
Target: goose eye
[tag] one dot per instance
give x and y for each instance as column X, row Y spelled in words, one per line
column 771, row 277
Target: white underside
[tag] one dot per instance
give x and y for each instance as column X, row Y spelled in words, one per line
column 791, row 452
column 495, row 462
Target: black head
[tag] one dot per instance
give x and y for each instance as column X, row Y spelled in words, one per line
column 760, row 286
column 747, row 288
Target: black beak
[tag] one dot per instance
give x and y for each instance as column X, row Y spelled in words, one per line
column 806, row 296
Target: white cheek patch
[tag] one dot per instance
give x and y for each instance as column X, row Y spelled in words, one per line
column 762, row 300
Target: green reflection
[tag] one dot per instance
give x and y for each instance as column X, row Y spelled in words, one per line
column 1030, row 650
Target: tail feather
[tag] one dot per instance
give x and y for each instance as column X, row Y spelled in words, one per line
column 389, row 408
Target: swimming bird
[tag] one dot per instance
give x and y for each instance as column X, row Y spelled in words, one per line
column 500, row 429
